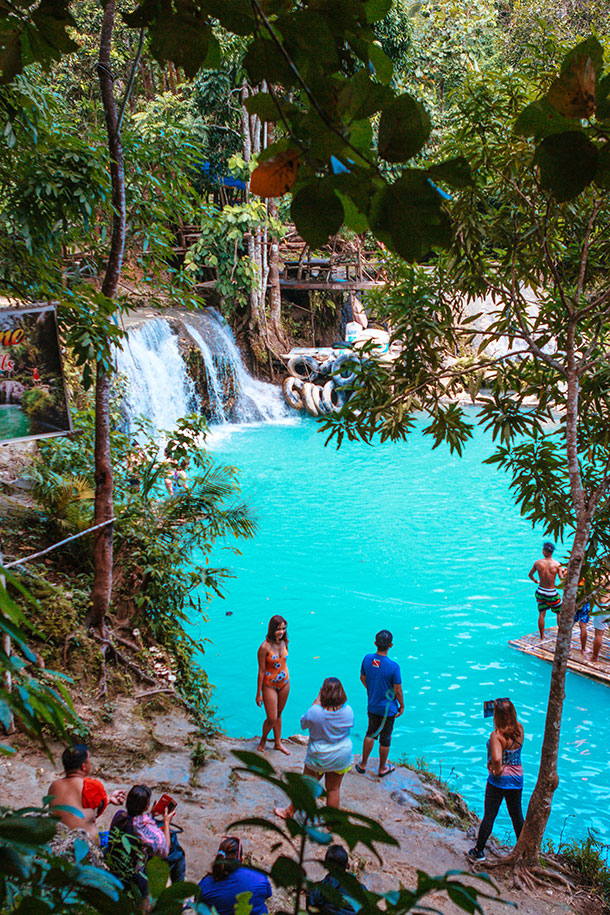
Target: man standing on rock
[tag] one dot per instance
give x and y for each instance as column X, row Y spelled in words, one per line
column 381, row 677
column 84, row 795
column 547, row 596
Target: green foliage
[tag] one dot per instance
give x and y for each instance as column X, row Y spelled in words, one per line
column 154, row 532
column 51, row 180
column 38, row 700
column 318, row 824
column 589, row 859
column 220, row 248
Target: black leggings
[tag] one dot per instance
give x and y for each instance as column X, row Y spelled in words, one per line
column 493, row 799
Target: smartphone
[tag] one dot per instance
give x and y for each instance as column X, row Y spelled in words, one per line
column 165, row 802
column 488, row 708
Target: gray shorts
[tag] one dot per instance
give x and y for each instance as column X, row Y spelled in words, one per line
column 600, row 621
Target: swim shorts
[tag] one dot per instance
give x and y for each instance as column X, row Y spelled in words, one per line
column 600, row 621
column 548, row 599
column 380, row 726
column 583, row 614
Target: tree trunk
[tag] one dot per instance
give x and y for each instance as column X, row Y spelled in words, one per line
column 102, row 552
column 275, row 295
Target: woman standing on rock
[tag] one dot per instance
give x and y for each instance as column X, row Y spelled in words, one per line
column 505, row 781
column 273, row 684
column 329, row 751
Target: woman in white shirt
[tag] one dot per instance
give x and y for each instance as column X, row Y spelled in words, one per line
column 329, row 751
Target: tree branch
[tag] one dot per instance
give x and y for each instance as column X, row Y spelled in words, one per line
column 131, row 81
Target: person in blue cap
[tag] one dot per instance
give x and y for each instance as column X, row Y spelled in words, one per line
column 547, row 595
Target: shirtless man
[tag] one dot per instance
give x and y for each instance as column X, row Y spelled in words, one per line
column 547, row 596
column 77, row 790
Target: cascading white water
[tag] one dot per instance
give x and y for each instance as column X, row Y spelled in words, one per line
column 158, row 386
column 215, row 389
column 255, row 401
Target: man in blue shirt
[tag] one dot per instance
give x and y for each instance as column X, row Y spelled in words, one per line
column 381, row 677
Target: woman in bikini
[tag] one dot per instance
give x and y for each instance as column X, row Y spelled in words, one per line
column 273, row 684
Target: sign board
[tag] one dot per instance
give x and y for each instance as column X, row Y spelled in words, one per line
column 33, row 401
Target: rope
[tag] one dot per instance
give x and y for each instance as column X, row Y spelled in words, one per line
column 17, row 562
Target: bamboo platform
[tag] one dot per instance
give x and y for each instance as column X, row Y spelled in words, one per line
column 578, row 663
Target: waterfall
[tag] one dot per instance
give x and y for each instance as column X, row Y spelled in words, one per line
column 254, row 401
column 160, row 387
column 157, row 384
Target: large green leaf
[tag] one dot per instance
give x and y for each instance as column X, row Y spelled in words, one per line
column 541, row 119
column 377, row 9
column 381, row 63
column 404, row 127
column 567, row 162
column 602, row 175
column 603, row 98
column 590, row 47
column 317, row 213
column 157, row 872
column 28, row 830
column 286, row 872
column 455, row 172
column 409, row 215
column 360, row 96
column 263, row 105
column 264, row 62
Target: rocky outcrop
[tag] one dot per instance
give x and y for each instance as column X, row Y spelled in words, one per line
column 11, row 391
column 165, row 752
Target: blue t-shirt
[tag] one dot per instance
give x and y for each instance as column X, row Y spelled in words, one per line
column 222, row 894
column 381, row 676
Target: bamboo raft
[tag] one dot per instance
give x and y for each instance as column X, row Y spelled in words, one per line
column 579, row 664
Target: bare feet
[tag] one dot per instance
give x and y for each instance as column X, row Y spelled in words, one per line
column 281, row 748
column 262, row 745
column 282, row 812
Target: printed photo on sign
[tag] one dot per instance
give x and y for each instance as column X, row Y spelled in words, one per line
column 33, row 402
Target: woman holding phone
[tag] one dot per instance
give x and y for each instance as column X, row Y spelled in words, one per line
column 329, row 750
column 505, row 780
column 145, row 840
column 273, row 683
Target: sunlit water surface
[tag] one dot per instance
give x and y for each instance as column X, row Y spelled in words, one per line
column 428, row 545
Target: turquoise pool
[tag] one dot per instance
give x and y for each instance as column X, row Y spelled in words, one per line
column 428, row 545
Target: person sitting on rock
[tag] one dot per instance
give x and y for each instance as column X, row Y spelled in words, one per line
column 147, row 839
column 77, row 790
column 328, row 896
column 229, row 878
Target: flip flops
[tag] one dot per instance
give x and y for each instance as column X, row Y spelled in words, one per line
column 359, row 769
column 388, row 771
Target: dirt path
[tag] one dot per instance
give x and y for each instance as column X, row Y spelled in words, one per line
column 210, row 800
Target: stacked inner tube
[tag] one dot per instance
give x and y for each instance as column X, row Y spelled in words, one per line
column 319, row 387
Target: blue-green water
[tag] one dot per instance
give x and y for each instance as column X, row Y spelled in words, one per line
column 13, row 422
column 428, row 545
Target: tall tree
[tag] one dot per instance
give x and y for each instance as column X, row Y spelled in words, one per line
column 531, row 239
column 102, row 582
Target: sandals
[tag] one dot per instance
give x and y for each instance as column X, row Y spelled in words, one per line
column 359, row 769
column 388, row 771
